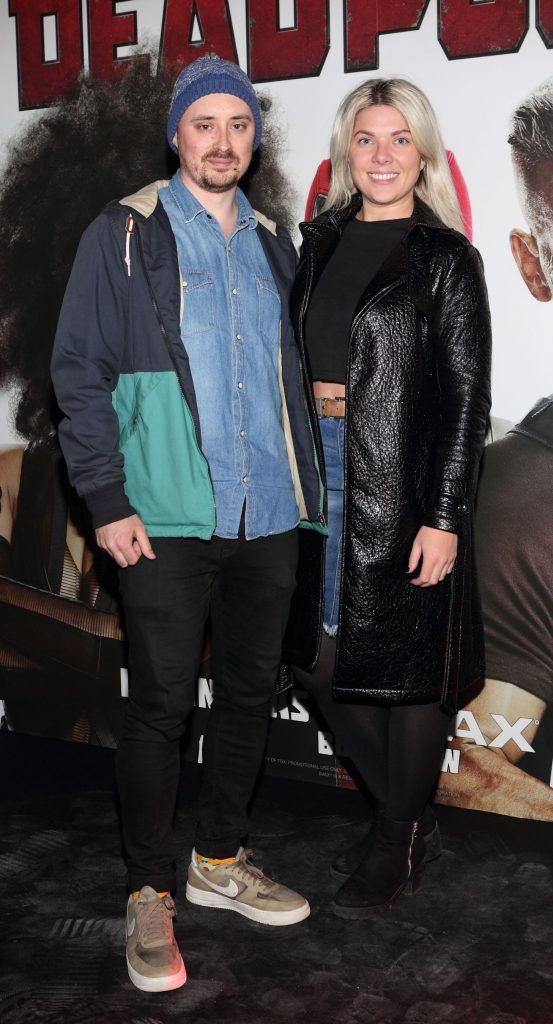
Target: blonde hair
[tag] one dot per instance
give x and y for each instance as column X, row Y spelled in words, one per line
column 434, row 186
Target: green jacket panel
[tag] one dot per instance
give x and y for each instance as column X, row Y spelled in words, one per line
column 169, row 486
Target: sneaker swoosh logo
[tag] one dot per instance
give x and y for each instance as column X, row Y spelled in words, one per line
column 230, row 889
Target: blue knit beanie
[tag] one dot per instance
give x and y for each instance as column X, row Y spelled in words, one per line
column 206, row 75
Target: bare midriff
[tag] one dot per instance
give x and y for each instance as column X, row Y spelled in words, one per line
column 326, row 389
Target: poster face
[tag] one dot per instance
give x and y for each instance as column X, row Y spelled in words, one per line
column 478, row 63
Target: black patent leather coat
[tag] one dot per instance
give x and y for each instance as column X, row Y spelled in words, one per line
column 417, row 399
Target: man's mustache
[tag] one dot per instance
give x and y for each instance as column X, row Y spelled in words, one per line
column 220, row 154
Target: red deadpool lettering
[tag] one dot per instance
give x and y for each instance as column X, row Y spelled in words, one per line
column 42, row 82
column 298, row 52
column 215, row 25
column 467, row 29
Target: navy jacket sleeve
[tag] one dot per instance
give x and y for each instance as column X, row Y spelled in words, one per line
column 462, row 340
column 87, row 356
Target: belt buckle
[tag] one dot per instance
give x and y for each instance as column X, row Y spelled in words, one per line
column 338, row 407
column 322, row 410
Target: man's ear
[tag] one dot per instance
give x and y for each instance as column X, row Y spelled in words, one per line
column 525, row 251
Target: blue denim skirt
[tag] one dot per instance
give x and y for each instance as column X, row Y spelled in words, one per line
column 332, row 434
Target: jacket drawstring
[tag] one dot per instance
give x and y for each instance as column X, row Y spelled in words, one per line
column 129, row 224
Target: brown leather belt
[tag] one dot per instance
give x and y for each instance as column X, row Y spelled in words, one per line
column 330, row 407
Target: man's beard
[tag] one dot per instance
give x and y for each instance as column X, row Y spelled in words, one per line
column 217, row 181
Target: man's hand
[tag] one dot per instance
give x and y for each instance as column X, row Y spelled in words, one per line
column 438, row 549
column 126, row 540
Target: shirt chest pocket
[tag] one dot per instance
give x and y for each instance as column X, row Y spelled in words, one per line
column 268, row 307
column 198, row 303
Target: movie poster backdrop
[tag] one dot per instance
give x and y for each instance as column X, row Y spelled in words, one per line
column 62, row 650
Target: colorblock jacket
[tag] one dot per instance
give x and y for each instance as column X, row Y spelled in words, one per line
column 131, row 433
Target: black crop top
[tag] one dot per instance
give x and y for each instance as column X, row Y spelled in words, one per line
column 362, row 249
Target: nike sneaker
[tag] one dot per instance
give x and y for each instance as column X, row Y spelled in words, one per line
column 154, row 962
column 240, row 886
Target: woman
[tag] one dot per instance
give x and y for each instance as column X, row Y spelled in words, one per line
column 390, row 308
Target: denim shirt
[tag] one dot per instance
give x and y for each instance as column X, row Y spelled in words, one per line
column 230, row 327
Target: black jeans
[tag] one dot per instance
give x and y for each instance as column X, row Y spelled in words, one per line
column 245, row 588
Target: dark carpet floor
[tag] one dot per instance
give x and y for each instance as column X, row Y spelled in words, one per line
column 473, row 946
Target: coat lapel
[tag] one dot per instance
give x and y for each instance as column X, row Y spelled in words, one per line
column 390, row 274
column 321, row 236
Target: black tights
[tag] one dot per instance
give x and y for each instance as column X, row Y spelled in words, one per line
column 397, row 750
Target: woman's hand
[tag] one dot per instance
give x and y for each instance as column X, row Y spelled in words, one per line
column 438, row 549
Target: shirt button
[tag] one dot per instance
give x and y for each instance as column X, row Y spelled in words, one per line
column 245, row 479
column 240, row 384
column 239, row 337
column 242, row 433
column 185, row 284
column 235, row 291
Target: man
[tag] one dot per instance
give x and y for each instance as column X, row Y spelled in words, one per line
column 186, row 434
column 514, row 541
column 51, row 684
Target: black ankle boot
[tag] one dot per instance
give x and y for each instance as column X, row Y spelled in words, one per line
column 392, row 865
column 345, row 863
